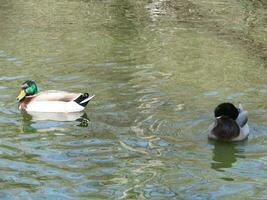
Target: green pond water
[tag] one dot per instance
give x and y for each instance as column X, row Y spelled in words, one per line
column 158, row 68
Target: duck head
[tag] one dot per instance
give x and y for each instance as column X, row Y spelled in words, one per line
column 28, row 88
column 226, row 109
column 225, row 127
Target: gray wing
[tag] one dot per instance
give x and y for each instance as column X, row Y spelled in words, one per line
column 55, row 95
column 242, row 118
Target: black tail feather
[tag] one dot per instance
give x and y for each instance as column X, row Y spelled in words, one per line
column 80, row 99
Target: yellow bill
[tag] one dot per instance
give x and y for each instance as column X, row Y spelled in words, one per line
column 22, row 94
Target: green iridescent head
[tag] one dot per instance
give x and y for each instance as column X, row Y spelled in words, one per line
column 28, row 88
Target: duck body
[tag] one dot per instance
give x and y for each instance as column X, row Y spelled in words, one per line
column 230, row 123
column 55, row 116
column 51, row 100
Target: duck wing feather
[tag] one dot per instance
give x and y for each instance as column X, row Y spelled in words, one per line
column 242, row 118
column 54, row 95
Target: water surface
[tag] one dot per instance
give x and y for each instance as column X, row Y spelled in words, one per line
column 158, row 68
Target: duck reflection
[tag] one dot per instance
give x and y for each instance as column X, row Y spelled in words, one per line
column 60, row 117
column 226, row 154
column 33, row 121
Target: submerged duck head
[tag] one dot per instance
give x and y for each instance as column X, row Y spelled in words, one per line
column 225, row 127
column 28, row 88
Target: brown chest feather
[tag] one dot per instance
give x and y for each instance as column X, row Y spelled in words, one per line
column 24, row 103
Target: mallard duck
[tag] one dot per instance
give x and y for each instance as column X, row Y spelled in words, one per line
column 50, row 101
column 230, row 123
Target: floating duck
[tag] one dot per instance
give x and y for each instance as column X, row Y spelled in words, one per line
column 230, row 123
column 50, row 101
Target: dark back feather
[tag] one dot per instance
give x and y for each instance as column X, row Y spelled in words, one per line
column 225, row 129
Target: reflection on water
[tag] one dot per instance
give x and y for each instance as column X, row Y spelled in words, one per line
column 32, row 121
column 60, row 117
column 226, row 154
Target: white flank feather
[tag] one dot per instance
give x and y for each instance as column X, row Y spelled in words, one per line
column 64, row 117
column 54, row 106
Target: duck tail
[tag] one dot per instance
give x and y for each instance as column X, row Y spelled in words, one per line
column 83, row 99
column 225, row 129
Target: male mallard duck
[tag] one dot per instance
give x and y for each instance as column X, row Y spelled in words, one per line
column 50, row 101
column 230, row 123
